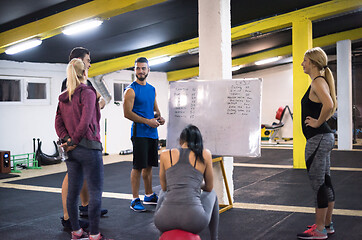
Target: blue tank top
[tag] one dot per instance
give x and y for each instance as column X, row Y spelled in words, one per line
column 183, row 182
column 312, row 109
column 143, row 106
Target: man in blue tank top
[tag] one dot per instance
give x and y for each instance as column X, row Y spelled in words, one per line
column 140, row 106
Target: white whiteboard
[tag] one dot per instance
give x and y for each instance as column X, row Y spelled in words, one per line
column 227, row 112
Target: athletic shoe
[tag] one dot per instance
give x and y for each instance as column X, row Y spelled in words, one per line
column 137, row 206
column 66, row 223
column 83, row 211
column 83, row 236
column 329, row 229
column 151, row 199
column 313, row 233
column 101, row 237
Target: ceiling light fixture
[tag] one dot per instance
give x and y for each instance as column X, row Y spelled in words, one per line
column 158, row 60
column 82, row 26
column 193, row 51
column 235, row 68
column 23, row 46
column 268, row 60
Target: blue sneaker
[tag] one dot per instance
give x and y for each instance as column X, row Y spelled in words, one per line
column 137, row 206
column 151, row 199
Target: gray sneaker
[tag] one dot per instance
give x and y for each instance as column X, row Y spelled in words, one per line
column 330, row 228
column 313, row 233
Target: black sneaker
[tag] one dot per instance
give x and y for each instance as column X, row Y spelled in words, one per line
column 66, row 224
column 83, row 211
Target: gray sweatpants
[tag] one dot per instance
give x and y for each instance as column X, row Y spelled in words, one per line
column 317, row 157
column 191, row 218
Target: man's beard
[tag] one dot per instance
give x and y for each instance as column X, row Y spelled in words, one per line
column 142, row 78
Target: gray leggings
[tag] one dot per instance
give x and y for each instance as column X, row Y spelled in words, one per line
column 191, row 218
column 317, row 156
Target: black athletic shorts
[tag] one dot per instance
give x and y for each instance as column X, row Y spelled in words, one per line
column 145, row 152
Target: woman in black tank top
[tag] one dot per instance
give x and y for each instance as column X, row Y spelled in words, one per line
column 318, row 105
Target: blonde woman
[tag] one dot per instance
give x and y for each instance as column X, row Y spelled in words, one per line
column 318, row 105
column 77, row 124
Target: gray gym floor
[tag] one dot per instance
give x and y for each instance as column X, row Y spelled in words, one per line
column 272, row 201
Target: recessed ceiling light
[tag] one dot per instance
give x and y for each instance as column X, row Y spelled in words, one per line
column 235, row 68
column 82, row 26
column 159, row 60
column 268, row 60
column 23, row 46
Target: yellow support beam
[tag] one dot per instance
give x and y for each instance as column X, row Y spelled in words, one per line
column 52, row 25
column 285, row 20
column 128, row 61
column 302, row 41
column 331, row 39
column 283, row 51
column 243, row 31
column 327, row 40
column 183, row 74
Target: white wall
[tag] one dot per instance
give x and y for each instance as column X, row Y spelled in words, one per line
column 277, row 91
column 20, row 123
column 118, row 127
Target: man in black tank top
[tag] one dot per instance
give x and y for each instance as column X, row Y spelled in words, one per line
column 84, row 55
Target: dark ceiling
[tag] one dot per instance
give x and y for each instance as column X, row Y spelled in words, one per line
column 160, row 25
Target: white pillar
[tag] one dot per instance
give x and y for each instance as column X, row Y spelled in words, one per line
column 215, row 64
column 344, row 95
column 214, row 39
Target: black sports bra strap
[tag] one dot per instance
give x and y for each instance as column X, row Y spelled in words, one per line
column 170, row 157
column 195, row 163
column 318, row 77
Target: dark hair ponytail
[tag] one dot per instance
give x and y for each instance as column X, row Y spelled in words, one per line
column 192, row 136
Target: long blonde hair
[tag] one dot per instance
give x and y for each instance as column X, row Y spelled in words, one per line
column 319, row 58
column 75, row 75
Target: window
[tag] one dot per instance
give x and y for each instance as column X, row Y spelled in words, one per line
column 118, row 90
column 26, row 90
column 36, row 91
column 10, row 90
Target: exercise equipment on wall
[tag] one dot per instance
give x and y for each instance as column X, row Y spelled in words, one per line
column 45, row 159
column 270, row 131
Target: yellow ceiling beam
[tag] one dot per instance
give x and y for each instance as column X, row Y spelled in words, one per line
column 243, row 31
column 285, row 20
column 283, row 51
column 328, row 40
column 128, row 61
column 183, row 74
column 53, row 25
